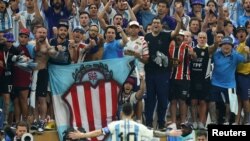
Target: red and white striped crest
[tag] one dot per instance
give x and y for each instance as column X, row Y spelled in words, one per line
column 92, row 107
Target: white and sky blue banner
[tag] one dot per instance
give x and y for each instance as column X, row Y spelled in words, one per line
column 75, row 87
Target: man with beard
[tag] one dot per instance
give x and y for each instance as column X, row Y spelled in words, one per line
column 245, row 17
column 243, row 79
column 78, row 49
column 43, row 51
column 55, row 12
column 61, row 43
column 95, row 53
column 157, row 71
column 180, row 55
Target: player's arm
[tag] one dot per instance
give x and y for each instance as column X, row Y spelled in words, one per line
column 79, row 135
column 96, row 133
column 168, row 133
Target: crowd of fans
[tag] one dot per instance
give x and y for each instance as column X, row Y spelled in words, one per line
column 192, row 54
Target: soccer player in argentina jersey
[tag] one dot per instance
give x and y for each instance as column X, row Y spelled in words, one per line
column 125, row 129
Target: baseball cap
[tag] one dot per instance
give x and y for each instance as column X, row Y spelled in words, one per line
column 79, row 28
column 24, row 31
column 63, row 23
column 227, row 40
column 241, row 28
column 130, row 80
column 9, row 36
column 197, row 2
column 134, row 23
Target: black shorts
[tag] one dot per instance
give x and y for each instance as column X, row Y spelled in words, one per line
column 5, row 85
column 179, row 89
column 16, row 91
column 199, row 90
column 42, row 83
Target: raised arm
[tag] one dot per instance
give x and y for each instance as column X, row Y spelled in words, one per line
column 178, row 26
column 123, row 35
column 83, row 4
column 214, row 47
column 131, row 13
column 204, row 26
column 137, row 6
column 221, row 17
column 37, row 11
column 101, row 15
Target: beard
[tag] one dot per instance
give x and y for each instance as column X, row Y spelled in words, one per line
column 57, row 5
column 62, row 36
column 42, row 39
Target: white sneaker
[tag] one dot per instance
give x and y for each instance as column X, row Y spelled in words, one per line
column 247, row 123
column 172, row 126
column 195, row 125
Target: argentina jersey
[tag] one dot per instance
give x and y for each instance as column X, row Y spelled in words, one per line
column 128, row 130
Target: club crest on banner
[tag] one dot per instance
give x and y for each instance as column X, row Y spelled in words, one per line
column 92, row 73
column 92, row 98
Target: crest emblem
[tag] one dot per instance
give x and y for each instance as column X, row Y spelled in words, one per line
column 92, row 99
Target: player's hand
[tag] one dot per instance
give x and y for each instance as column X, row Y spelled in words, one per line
column 75, row 135
column 175, row 133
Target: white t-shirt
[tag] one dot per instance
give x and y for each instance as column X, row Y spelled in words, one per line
column 140, row 46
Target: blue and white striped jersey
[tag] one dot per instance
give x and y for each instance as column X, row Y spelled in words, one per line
column 129, row 130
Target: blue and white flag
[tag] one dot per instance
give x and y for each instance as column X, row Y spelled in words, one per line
column 86, row 95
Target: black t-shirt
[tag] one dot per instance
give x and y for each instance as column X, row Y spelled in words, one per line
column 66, row 56
column 200, row 66
column 157, row 43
